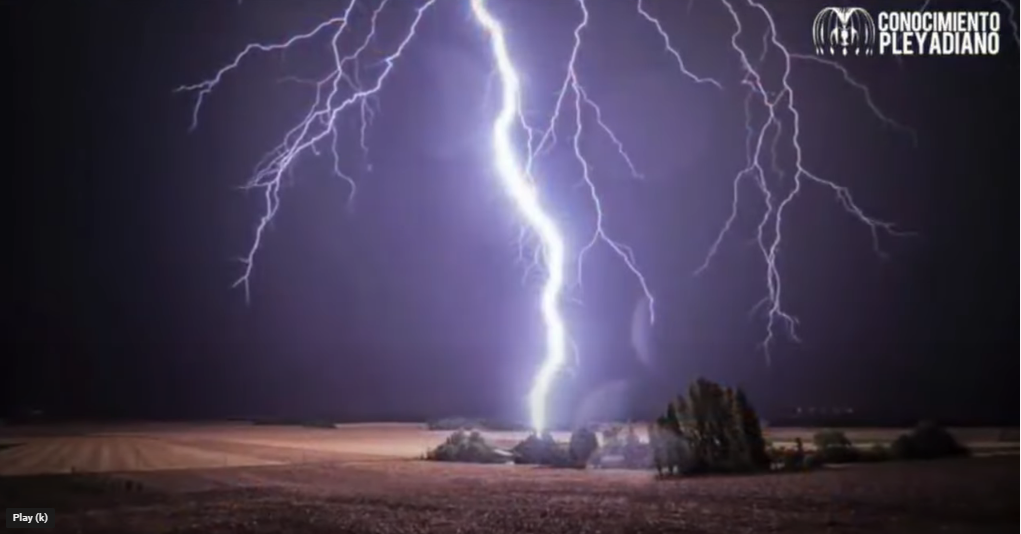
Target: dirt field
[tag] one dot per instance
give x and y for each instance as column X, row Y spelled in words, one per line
column 161, row 447
column 404, row 497
column 213, row 479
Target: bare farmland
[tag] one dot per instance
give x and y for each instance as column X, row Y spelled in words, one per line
column 244, row 478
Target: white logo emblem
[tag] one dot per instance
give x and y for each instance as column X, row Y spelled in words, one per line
column 843, row 30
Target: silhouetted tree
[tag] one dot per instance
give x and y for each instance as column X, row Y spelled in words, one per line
column 751, row 431
column 583, row 445
column 712, row 429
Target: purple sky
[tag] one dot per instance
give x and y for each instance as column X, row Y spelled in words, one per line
column 412, row 303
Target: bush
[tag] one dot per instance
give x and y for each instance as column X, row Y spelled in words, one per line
column 637, row 455
column 712, row 429
column 875, row 453
column 541, row 449
column 832, row 447
column 583, row 446
column 831, row 439
column 467, row 447
column 788, row 459
column 927, row 441
column 623, row 450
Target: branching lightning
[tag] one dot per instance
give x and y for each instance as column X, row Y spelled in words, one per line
column 573, row 90
column 319, row 126
column 526, row 197
column 769, row 235
column 343, row 90
column 1012, row 17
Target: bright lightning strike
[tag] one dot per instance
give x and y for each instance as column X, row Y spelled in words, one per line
column 526, row 197
column 517, row 176
column 572, row 90
column 343, row 90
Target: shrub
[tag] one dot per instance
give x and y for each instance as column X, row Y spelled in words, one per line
column 789, row 459
column 583, row 445
column 622, row 449
column 541, row 449
column 637, row 455
column 467, row 447
column 927, row 441
column 875, row 453
column 831, row 439
column 797, row 459
column 749, row 432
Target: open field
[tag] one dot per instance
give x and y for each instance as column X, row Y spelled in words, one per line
column 237, row 478
column 962, row 496
column 30, row 451
column 155, row 447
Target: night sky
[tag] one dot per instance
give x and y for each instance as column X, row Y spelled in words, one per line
column 126, row 227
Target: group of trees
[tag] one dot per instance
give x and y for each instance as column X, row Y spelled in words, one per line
column 710, row 429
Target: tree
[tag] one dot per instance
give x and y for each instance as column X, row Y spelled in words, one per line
column 711, row 429
column 751, row 431
column 831, row 439
column 583, row 445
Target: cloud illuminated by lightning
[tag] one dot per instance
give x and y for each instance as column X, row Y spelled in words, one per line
column 342, row 90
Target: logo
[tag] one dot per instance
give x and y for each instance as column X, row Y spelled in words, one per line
column 844, row 30
column 853, row 31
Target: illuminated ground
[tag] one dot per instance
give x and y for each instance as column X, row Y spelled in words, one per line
column 177, row 446
column 166, row 447
column 214, row 479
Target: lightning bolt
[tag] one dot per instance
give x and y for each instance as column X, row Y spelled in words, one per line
column 526, row 197
column 762, row 162
column 572, row 90
column 339, row 91
column 1012, row 17
column 519, row 178
column 344, row 90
